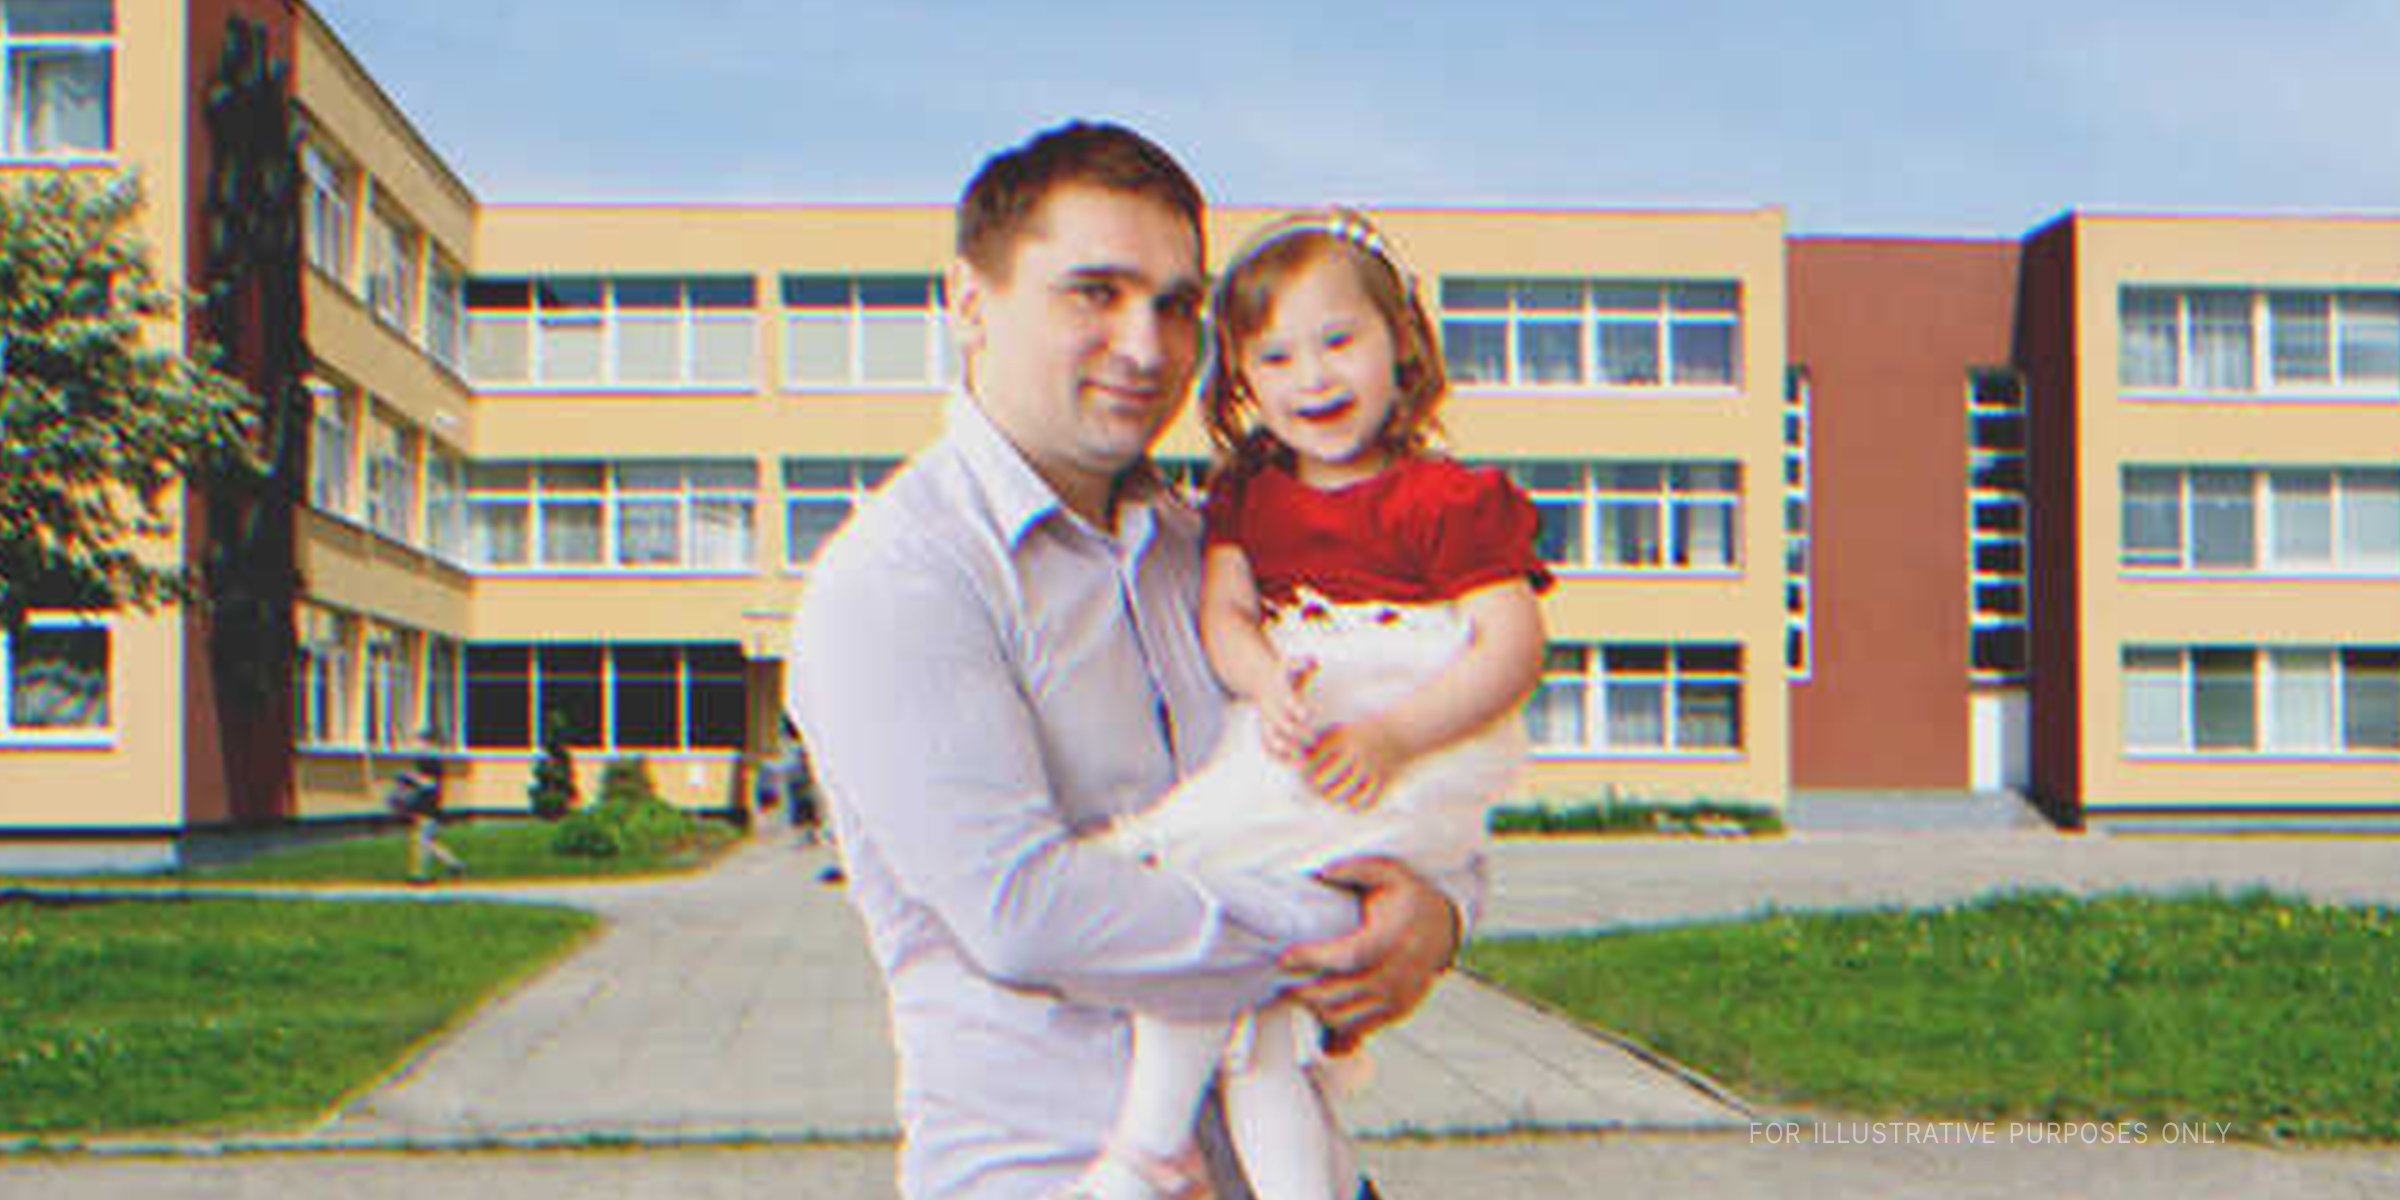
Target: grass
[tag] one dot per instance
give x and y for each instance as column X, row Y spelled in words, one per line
column 494, row 850
column 2278, row 1016
column 129, row 1015
column 1616, row 815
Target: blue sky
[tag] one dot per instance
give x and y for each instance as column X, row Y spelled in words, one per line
column 1935, row 117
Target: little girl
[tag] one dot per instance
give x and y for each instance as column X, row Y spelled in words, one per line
column 1372, row 603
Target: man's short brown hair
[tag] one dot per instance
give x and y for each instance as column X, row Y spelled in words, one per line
column 1000, row 202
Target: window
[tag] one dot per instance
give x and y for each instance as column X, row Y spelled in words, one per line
column 446, row 504
column 1638, row 698
column 608, row 698
column 1592, row 333
column 446, row 315
column 2236, row 340
column 1798, row 588
column 2297, row 520
column 627, row 332
column 59, row 60
column 393, row 710
column 328, row 212
column 445, row 692
column 326, row 676
column 391, row 477
column 1635, row 516
column 56, row 674
column 2242, row 700
column 818, row 495
column 391, row 269
column 1998, row 642
column 866, row 331
column 671, row 514
column 332, row 449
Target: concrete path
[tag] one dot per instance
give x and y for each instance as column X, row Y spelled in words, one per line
column 742, row 1006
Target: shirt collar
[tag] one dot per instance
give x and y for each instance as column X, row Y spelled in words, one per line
column 1020, row 497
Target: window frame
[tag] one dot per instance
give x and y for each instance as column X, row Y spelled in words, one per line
column 1672, row 312
column 2267, row 675
column 862, row 476
column 539, row 495
column 93, row 736
column 1675, row 507
column 549, row 306
column 329, row 189
column 694, row 682
column 2354, row 322
column 2348, row 485
column 15, row 134
column 855, row 315
column 1587, row 668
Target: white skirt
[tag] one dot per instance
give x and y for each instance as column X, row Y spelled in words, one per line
column 1246, row 812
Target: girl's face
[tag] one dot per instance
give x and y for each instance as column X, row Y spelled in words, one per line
column 1323, row 372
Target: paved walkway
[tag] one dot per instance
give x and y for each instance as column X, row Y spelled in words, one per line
column 732, row 1022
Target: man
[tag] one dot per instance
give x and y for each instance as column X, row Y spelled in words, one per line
column 1000, row 653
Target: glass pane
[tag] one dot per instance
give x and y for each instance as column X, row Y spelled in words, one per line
column 2147, row 357
column 499, row 349
column 2223, row 519
column 2300, row 702
column 58, row 678
column 2301, row 336
column 1708, row 716
column 895, row 292
column 722, row 291
column 1475, row 351
column 1703, row 353
column 723, row 350
column 571, row 533
column 818, row 350
column 1637, row 715
column 636, row 476
column 2220, row 341
column 567, row 291
column 2371, row 520
column 574, row 476
column 2302, row 516
column 2154, row 706
column 723, row 474
column 486, row 475
column 1627, row 297
column 649, row 293
column 569, row 351
column 808, row 525
column 2224, row 699
column 59, row 100
column 2370, row 338
column 1558, row 538
column 61, row 16
column 1629, row 534
column 1704, row 535
column 719, row 710
column 1705, row 297
column 2152, row 517
column 722, row 533
column 511, row 295
column 1554, row 717
column 892, row 349
column 816, row 291
column 1550, row 352
column 1634, row 659
column 1550, row 297
column 819, row 474
column 2371, row 699
column 649, row 349
column 649, row 533
column 496, row 533
column 649, row 709
column 1628, row 352
column 1474, row 295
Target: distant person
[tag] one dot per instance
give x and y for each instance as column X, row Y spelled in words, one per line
column 416, row 797
column 1373, row 603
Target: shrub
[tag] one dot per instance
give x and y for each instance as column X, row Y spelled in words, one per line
column 552, row 791
column 630, row 818
column 1618, row 813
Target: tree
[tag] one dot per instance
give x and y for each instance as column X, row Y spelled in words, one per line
column 96, row 424
column 552, row 792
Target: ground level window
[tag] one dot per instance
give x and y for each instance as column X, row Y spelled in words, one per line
column 1638, row 697
column 657, row 696
column 56, row 672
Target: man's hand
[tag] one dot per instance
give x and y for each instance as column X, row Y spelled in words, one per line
column 1351, row 764
column 1378, row 973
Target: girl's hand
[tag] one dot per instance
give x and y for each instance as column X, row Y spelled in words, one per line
column 1283, row 720
column 1351, row 764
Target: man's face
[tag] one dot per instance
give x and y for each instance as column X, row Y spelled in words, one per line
column 1086, row 352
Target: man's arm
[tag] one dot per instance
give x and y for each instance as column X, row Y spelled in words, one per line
column 1409, row 933
column 922, row 731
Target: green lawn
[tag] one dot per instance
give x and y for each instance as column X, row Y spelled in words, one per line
column 2279, row 1016
column 137, row 1014
column 502, row 849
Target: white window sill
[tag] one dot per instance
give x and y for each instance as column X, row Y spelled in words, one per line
column 868, row 389
column 1619, row 391
column 2385, row 394
column 1560, row 754
column 71, row 739
column 2226, row 575
column 482, row 572
column 615, row 390
column 66, row 158
column 1662, row 574
column 2330, row 758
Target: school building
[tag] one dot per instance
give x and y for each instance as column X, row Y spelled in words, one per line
column 2108, row 514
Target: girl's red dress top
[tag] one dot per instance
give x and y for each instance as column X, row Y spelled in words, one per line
column 1423, row 530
